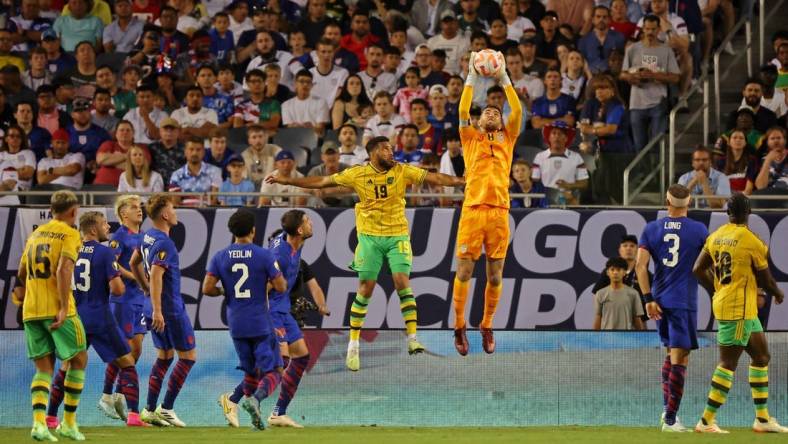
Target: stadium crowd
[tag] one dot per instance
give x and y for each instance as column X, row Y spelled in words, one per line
column 214, row 95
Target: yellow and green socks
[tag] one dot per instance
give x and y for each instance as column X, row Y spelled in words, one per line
column 357, row 313
column 759, row 385
column 407, row 305
column 72, row 388
column 39, row 391
column 721, row 383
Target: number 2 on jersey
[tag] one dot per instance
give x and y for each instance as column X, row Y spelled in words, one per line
column 673, row 249
column 239, row 293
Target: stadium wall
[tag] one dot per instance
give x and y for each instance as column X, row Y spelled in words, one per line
column 554, row 260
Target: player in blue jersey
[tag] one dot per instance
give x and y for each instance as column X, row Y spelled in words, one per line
column 245, row 271
column 171, row 328
column 96, row 277
column 132, row 310
column 674, row 242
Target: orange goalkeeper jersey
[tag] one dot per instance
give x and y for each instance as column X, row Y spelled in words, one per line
column 488, row 158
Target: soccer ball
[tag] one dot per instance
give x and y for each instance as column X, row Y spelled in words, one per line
column 488, row 62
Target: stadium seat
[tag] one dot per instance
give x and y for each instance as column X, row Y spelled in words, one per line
column 331, row 136
column 101, row 199
column 530, row 137
column 113, row 59
column 44, row 199
column 527, row 152
column 291, row 138
column 301, row 156
column 237, row 140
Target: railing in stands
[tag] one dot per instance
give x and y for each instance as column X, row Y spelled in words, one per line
column 660, row 168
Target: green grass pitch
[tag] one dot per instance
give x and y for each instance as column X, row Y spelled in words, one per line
column 398, row 435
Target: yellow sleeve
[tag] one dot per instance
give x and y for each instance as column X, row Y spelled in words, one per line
column 759, row 253
column 516, row 116
column 464, row 109
column 71, row 244
column 345, row 178
column 413, row 175
column 23, row 259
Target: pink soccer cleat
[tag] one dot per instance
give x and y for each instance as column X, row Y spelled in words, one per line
column 52, row 422
column 134, row 420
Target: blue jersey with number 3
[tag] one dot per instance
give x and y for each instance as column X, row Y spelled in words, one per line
column 674, row 244
column 94, row 268
column 245, row 270
column 289, row 262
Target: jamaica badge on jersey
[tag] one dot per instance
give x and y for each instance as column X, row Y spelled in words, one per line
column 389, row 180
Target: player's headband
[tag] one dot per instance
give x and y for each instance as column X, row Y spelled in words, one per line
column 678, row 203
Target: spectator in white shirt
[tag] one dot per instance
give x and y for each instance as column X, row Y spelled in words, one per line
column 195, row 119
column 305, row 110
column 285, row 167
column 561, row 171
column 327, row 77
column 62, row 168
column 145, row 118
column 16, row 157
column 384, row 123
column 350, row 152
column 450, row 40
column 138, row 177
column 374, row 77
column 528, row 87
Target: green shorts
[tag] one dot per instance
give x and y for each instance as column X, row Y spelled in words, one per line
column 731, row 333
column 372, row 251
column 65, row 342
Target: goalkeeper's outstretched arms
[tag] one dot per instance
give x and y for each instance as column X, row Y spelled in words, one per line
column 516, row 116
column 466, row 99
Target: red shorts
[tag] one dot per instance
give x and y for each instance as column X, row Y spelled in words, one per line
column 483, row 226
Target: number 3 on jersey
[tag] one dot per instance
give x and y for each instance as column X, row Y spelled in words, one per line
column 673, row 249
column 239, row 293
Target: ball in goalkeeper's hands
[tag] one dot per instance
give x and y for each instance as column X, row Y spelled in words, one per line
column 488, row 62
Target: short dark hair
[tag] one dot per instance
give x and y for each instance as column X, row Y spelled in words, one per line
column 408, row 126
column 221, row 14
column 629, row 238
column 196, row 140
column 651, row 18
column 255, row 73
column 419, row 101
column 168, row 8
column 494, row 89
column 326, row 42
column 393, row 50
column 779, row 34
column 101, row 91
column 205, row 66
column 617, row 262
column 24, row 102
column 753, row 80
column 85, row 42
column 739, row 207
column 304, row 73
column 105, row 66
column 241, row 222
column 145, row 86
column 348, row 125
column 373, row 143
column 292, row 221
column 194, row 88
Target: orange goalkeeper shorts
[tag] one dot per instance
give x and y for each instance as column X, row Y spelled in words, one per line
column 483, row 226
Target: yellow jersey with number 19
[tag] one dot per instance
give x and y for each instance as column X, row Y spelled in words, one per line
column 736, row 252
column 40, row 258
column 381, row 207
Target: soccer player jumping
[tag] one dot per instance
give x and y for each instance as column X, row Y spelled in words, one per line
column 732, row 260
column 383, row 234
column 484, row 221
column 675, row 242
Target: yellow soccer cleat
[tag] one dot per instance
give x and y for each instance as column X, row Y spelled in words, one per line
column 353, row 362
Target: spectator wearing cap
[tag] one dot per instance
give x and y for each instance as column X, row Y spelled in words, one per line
column 430, row 138
column 167, row 154
column 284, row 167
column 597, row 45
column 649, row 66
column 549, row 38
column 217, row 153
column 314, row 21
column 239, row 18
column 575, row 13
column 561, row 171
column 627, row 250
column 374, row 78
column 37, row 74
column 450, row 40
column 305, row 110
column 6, row 56
column 58, row 60
column 359, row 37
column 102, row 107
column 49, row 116
column 350, row 152
column 62, row 167
column 532, row 66
column 236, row 183
column 79, row 26
column 11, row 80
column 257, row 109
column 752, row 99
column 85, row 136
column 172, row 42
column 196, row 176
column 267, row 54
column 113, row 155
column 330, row 164
column 26, row 27
column 327, row 78
column 554, row 105
column 145, row 117
column 194, row 119
column 516, row 24
column 705, row 180
column 523, row 183
column 188, row 64
column 38, row 139
column 439, row 118
column 259, row 156
column 408, row 146
column 123, row 33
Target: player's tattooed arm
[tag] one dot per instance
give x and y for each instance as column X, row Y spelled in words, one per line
column 653, row 310
column 209, row 287
column 703, row 271
column 279, row 283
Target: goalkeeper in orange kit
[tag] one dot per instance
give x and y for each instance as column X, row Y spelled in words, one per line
column 488, row 152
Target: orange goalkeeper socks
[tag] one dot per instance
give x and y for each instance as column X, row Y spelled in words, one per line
column 492, row 295
column 460, row 295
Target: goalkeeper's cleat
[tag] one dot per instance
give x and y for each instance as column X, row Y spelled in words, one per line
column 415, row 347
column 40, row 432
column 120, row 405
column 709, row 428
column 461, row 341
column 230, row 409
column 169, row 416
column 107, row 406
column 772, row 426
column 134, row 420
column 71, row 432
column 488, row 340
column 52, row 422
column 353, row 362
column 151, row 418
column 252, row 407
column 283, row 421
column 677, row 427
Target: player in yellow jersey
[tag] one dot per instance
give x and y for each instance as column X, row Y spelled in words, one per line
column 383, row 234
column 732, row 266
column 49, row 314
column 488, row 152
